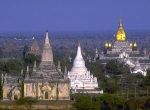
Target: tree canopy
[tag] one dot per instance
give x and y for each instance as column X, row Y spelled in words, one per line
column 26, row 102
column 30, row 58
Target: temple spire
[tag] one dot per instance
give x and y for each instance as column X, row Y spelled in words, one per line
column 78, row 61
column 79, row 51
column 120, row 24
column 47, row 54
column 120, row 35
column 46, row 39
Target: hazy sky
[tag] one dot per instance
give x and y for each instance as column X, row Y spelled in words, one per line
column 73, row 15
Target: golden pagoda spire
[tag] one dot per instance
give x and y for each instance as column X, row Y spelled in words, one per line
column 120, row 35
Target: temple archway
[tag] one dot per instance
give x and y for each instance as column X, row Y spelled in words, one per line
column 46, row 95
column 15, row 97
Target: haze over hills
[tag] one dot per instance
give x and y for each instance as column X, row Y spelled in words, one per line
column 92, row 39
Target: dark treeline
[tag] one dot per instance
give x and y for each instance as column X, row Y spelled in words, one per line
column 109, row 102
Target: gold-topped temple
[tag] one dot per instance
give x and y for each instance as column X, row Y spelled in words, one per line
column 120, row 35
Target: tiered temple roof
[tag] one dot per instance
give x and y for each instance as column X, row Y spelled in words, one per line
column 35, row 48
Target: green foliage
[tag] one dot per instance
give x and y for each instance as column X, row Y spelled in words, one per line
column 30, row 58
column 104, row 102
column 63, row 64
column 135, row 104
column 27, row 102
column 25, row 49
column 111, row 102
column 112, row 67
column 146, row 81
column 147, row 103
column 0, row 89
column 115, row 67
column 85, row 103
column 148, row 72
column 12, row 64
column 129, row 79
column 1, row 53
column 5, row 109
column 97, row 70
column 110, row 85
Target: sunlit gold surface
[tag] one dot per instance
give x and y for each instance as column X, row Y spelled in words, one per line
column 106, row 44
column 135, row 45
column 120, row 35
column 130, row 44
column 109, row 45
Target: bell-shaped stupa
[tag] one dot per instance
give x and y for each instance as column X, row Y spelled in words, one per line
column 80, row 77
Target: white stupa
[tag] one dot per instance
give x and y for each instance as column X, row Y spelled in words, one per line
column 80, row 77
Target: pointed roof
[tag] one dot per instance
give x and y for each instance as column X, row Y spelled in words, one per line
column 35, row 45
column 78, row 61
column 47, row 54
column 10, row 46
column 35, row 48
column 78, row 56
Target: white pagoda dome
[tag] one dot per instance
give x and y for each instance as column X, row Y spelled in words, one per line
column 80, row 77
column 79, row 63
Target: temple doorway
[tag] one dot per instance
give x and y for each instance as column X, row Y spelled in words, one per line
column 46, row 95
column 15, row 97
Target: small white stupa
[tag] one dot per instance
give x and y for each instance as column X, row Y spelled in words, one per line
column 80, row 77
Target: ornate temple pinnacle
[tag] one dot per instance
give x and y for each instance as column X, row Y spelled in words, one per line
column 120, row 25
column 120, row 35
column 46, row 39
column 79, row 44
column 47, row 54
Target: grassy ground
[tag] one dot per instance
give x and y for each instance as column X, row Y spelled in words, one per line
column 130, row 92
column 40, row 105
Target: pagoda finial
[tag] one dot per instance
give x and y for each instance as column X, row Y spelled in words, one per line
column 47, row 54
column 120, row 21
column 46, row 39
column 79, row 44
